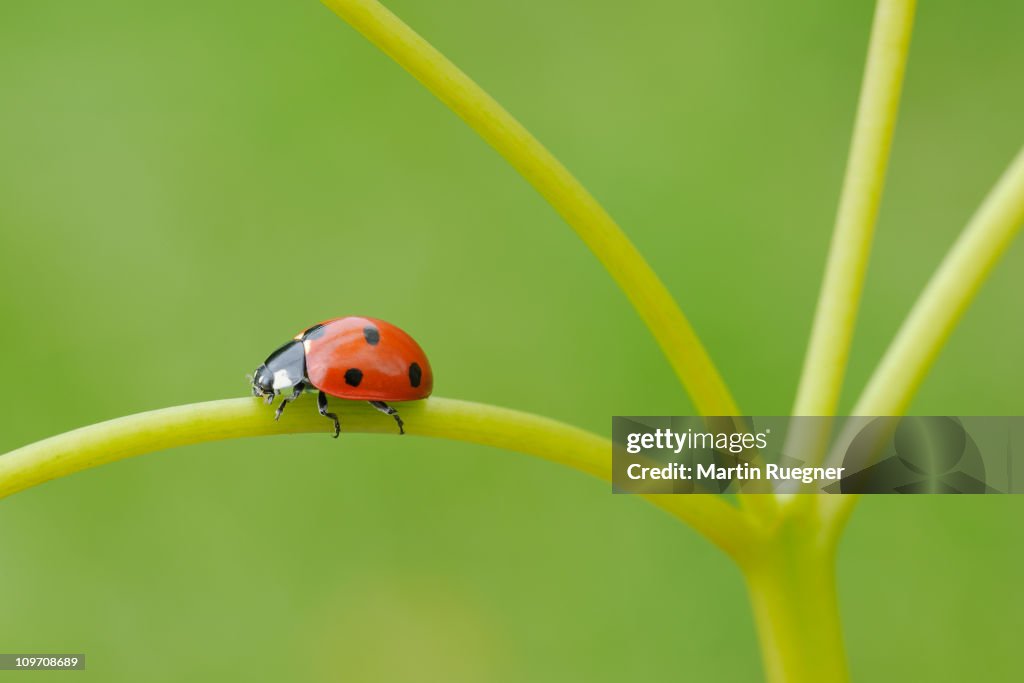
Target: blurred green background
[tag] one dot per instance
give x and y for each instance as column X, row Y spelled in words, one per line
column 185, row 185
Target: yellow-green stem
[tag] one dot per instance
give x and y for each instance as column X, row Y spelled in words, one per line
column 942, row 303
column 513, row 430
column 948, row 294
column 836, row 315
column 559, row 187
column 796, row 612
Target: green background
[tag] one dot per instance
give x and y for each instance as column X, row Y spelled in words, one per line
column 185, row 185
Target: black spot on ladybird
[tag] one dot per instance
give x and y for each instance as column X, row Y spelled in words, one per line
column 314, row 332
column 415, row 374
column 353, row 376
column 372, row 335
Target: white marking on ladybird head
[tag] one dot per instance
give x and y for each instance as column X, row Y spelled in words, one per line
column 282, row 380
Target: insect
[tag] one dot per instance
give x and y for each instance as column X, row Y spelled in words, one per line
column 353, row 358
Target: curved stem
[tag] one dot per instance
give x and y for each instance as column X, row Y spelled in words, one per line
column 559, row 187
column 125, row 437
column 942, row 303
column 836, row 315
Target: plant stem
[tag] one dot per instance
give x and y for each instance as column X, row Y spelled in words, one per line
column 124, row 437
column 948, row 294
column 942, row 303
column 796, row 612
column 559, row 187
column 836, row 315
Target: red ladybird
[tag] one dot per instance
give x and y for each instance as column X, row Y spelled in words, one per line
column 358, row 359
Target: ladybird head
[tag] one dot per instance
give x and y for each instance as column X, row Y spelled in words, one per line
column 263, row 381
column 285, row 368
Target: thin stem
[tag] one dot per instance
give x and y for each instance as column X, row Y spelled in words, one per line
column 793, row 592
column 942, row 303
column 557, row 185
column 825, row 363
column 124, row 437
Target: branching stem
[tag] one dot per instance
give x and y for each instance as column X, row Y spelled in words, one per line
column 489, row 425
column 942, row 303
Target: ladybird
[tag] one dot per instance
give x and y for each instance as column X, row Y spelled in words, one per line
column 353, row 358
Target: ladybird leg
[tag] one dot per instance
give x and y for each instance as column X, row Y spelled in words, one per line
column 299, row 388
column 388, row 410
column 321, row 404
